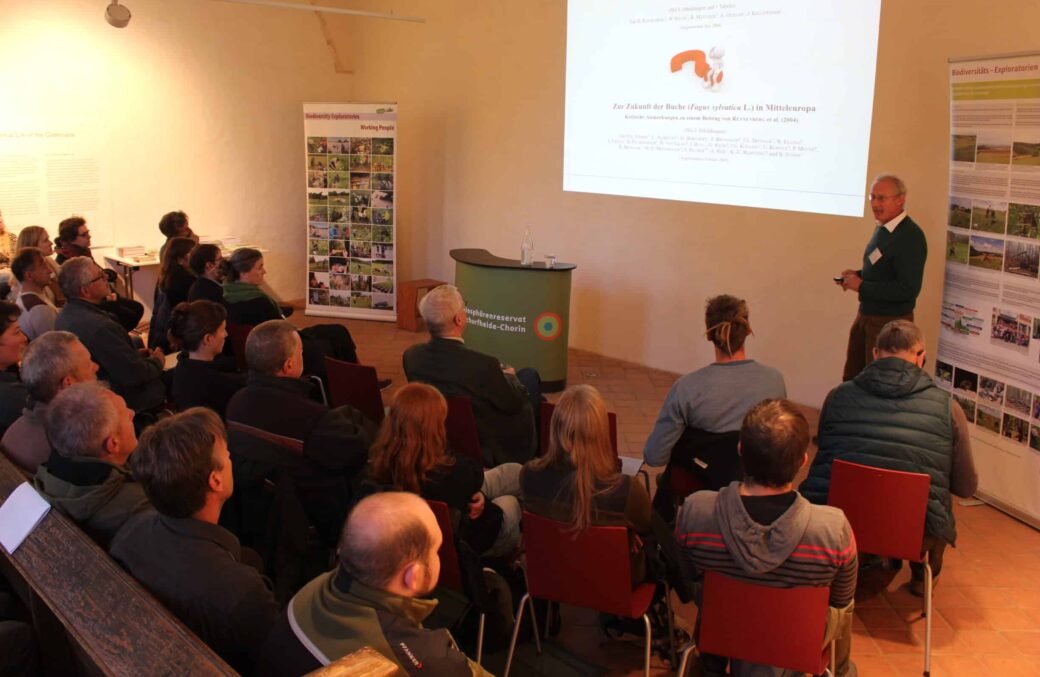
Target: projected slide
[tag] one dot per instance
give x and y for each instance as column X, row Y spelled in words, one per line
column 758, row 103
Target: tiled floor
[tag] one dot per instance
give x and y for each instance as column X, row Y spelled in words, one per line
column 987, row 619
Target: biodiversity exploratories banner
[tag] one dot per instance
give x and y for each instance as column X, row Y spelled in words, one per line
column 351, row 153
column 989, row 342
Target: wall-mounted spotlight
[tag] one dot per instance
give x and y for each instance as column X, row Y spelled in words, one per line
column 117, row 15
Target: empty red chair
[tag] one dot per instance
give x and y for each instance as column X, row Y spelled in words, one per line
column 237, row 334
column 356, row 385
column 451, row 571
column 886, row 509
column 462, row 429
column 782, row 627
column 589, row 569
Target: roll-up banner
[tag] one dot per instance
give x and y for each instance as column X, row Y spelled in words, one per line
column 351, row 153
column 989, row 342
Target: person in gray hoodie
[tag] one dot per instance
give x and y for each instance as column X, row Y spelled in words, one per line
column 761, row 531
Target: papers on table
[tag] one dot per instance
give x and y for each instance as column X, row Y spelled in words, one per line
column 19, row 515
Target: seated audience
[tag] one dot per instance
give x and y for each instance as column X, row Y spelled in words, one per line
column 8, row 248
column 34, row 278
column 174, row 225
column 199, row 330
column 180, row 554
column 761, row 531
column 207, row 263
column 577, row 482
column 175, row 280
column 12, row 343
column 410, row 454
column 892, row 415
column 51, row 363
column 701, row 416
column 503, row 405
column 248, row 304
column 136, row 376
column 37, row 236
column 276, row 401
column 388, row 565
column 74, row 239
column 91, row 431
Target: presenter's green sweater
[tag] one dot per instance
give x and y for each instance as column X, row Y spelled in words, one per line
column 891, row 285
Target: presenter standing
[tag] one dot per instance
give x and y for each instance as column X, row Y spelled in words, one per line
column 892, row 272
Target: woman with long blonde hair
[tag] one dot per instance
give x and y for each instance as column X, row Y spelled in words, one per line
column 411, row 453
column 578, row 480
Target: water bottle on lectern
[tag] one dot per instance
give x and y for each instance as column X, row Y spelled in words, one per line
column 527, row 249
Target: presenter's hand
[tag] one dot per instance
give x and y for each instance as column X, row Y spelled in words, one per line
column 476, row 505
column 851, row 281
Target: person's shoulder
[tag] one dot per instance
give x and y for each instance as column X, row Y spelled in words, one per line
column 698, row 508
column 908, row 229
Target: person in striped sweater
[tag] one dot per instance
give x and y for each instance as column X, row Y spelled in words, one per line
column 762, row 531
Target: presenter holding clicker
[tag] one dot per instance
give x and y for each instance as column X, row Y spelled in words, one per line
column 892, row 272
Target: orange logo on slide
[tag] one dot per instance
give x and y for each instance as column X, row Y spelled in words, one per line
column 708, row 67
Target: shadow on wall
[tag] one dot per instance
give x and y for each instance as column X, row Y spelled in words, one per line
column 598, row 315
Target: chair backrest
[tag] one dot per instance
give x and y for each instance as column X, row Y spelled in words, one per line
column 356, row 385
column 290, row 443
column 590, row 569
column 886, row 508
column 545, row 418
column 462, row 428
column 782, row 627
column 237, row 334
column 451, row 570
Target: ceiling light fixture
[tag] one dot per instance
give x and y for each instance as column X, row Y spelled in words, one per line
column 117, row 15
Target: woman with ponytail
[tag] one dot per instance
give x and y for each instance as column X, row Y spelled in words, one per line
column 198, row 330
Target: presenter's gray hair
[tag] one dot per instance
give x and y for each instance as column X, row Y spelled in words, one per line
column 80, row 419
column 899, row 336
column 439, row 306
column 46, row 362
column 895, row 181
column 269, row 345
column 75, row 274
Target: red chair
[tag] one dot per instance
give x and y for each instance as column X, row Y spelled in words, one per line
column 356, row 385
column 237, row 334
column 462, row 428
column 782, row 627
column 451, row 571
column 886, row 509
column 589, row 569
column 545, row 418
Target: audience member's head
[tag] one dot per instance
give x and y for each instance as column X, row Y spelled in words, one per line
column 579, row 435
column 902, row 339
column 12, row 340
column 183, row 463
column 274, row 348
column 35, row 236
column 53, row 362
column 30, row 264
column 773, row 443
column 443, row 311
column 726, row 322
column 74, row 231
column 390, row 543
column 81, row 278
column 246, row 265
column 175, row 224
column 176, row 256
column 87, row 420
column 412, row 439
column 205, row 261
column 198, row 326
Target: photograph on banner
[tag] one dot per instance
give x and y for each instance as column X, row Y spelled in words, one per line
column 989, row 340
column 351, row 225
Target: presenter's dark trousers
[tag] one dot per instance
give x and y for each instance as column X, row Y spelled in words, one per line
column 862, row 337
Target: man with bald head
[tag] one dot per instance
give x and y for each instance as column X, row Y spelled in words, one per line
column 891, row 275
column 387, row 562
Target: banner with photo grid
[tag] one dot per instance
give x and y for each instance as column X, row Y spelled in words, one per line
column 989, row 340
column 351, row 153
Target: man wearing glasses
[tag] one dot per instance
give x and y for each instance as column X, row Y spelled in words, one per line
column 893, row 268
column 893, row 416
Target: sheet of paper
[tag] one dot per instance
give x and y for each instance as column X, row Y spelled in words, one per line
column 19, row 515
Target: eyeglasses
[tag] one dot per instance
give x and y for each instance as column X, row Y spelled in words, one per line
column 99, row 277
column 882, row 198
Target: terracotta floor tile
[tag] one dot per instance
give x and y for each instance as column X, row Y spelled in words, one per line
column 897, row 641
column 1013, row 619
column 1027, row 642
column 874, row 666
column 880, row 618
column 954, row 666
column 1009, row 666
column 984, row 642
column 967, row 617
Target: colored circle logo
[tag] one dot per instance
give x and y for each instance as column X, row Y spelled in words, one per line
column 548, row 326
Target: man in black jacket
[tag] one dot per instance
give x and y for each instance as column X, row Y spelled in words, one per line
column 503, row 406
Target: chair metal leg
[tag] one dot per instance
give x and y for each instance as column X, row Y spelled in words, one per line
column 649, row 643
column 685, row 659
column 646, row 477
column 516, row 632
column 927, row 617
column 833, row 665
column 673, row 658
column 534, row 625
column 480, row 639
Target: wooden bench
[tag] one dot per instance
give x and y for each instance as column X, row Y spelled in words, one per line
column 408, row 299
column 90, row 616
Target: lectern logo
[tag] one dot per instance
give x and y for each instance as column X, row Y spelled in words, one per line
column 548, row 326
